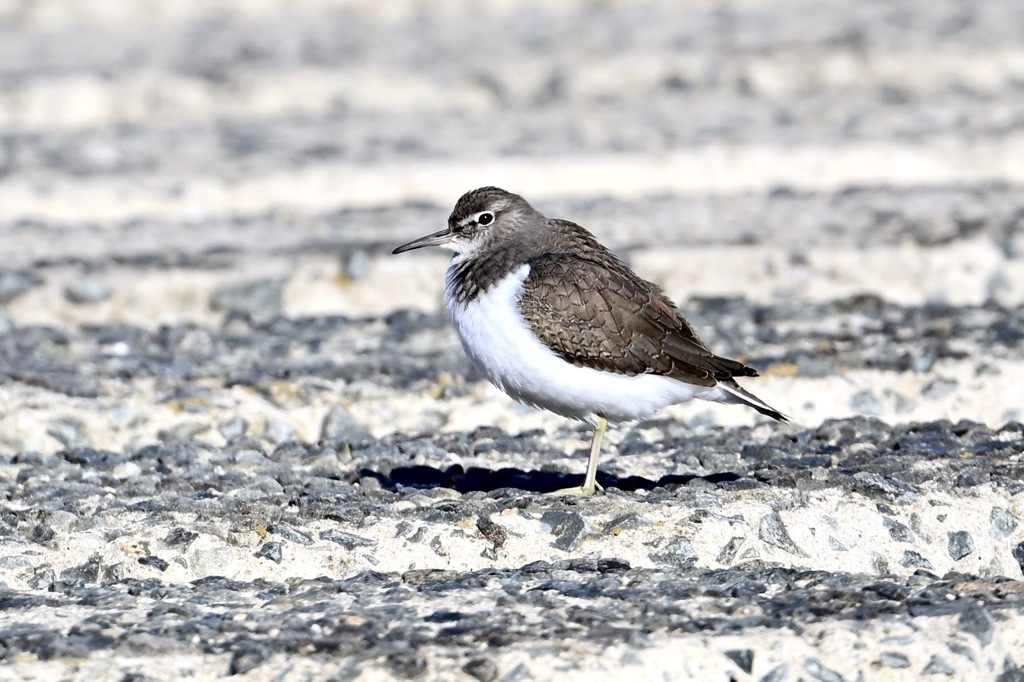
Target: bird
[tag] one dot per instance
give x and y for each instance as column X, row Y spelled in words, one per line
column 557, row 321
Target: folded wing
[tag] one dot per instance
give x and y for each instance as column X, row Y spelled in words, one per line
column 603, row 316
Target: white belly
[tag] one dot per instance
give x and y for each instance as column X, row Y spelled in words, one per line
column 496, row 336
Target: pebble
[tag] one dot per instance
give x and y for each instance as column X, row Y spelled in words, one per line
column 14, row 283
column 232, row 429
column 937, row 666
column 678, row 553
column 340, row 425
column 261, row 299
column 270, row 550
column 70, row 432
column 773, row 531
column 87, row 291
column 960, row 544
column 937, row 389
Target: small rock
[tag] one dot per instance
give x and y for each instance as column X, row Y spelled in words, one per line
column 340, row 425
column 892, row 659
column 937, row 666
column 293, row 534
column 773, row 531
column 482, row 669
column 936, row 389
column 86, row 291
column 865, row 402
column 897, row 531
column 70, row 432
column 678, row 553
column 960, row 544
column 181, row 432
column 901, row 403
column 1011, row 672
column 926, row 359
column 42, row 578
column 567, row 527
column 1018, row 555
column 836, row 545
column 1002, row 522
column 492, row 531
column 743, row 658
column 819, row 672
column 437, row 545
column 246, row 659
column 911, row 558
column 261, row 299
column 88, row 572
column 977, row 621
column 347, row 540
column 270, row 550
column 776, row 674
column 728, row 553
column 154, row 561
column 13, row 283
column 234, row 428
column 180, row 537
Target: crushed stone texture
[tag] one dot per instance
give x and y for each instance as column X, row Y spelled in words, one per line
column 238, row 437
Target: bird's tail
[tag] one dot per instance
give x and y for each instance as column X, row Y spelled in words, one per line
column 737, row 394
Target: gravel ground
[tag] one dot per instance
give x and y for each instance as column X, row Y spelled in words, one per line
column 237, row 437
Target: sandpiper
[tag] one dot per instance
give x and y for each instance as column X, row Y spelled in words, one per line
column 557, row 321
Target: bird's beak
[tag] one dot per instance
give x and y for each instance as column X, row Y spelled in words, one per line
column 437, row 239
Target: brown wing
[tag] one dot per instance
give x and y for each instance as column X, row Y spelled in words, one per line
column 603, row 316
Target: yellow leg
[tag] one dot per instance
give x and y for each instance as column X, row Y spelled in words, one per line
column 590, row 485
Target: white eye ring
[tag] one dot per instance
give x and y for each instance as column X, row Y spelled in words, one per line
column 484, row 219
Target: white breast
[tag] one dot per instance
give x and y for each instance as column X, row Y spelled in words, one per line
column 496, row 336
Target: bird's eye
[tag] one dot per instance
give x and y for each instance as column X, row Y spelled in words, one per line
column 485, row 219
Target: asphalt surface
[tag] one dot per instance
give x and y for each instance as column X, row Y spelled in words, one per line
column 238, row 437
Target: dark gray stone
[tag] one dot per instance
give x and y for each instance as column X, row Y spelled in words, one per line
column 482, row 669
column 819, row 672
column 898, row 531
column 349, row 541
column 743, row 658
column 1002, row 522
column 270, row 550
column 14, row 283
column 960, row 544
column 678, row 553
column 70, row 432
column 937, row 666
column 893, row 659
column 936, row 389
column 569, row 528
column 773, row 531
column 977, row 621
column 246, row 659
column 87, row 291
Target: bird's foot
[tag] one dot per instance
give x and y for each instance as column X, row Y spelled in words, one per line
column 579, row 490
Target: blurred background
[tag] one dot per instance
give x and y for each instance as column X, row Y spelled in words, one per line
column 833, row 190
